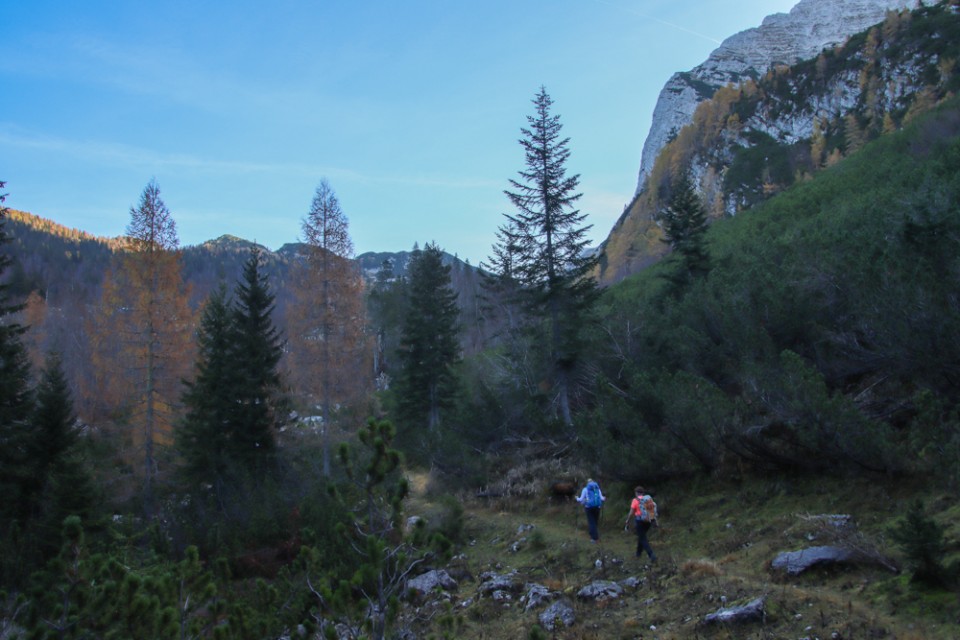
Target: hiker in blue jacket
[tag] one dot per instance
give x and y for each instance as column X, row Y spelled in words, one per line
column 592, row 500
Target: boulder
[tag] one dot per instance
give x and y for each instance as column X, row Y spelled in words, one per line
column 600, row 590
column 537, row 594
column 492, row 582
column 750, row 612
column 796, row 562
column 434, row 579
column 560, row 612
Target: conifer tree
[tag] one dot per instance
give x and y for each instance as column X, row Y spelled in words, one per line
column 500, row 277
column 61, row 485
column 922, row 541
column 209, row 397
column 685, row 227
column 386, row 560
column 549, row 237
column 326, row 319
column 143, row 330
column 15, row 408
column 386, row 308
column 429, row 346
column 259, row 404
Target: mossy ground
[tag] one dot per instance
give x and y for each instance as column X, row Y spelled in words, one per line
column 714, row 547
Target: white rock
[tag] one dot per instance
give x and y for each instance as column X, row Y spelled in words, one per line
column 810, row 27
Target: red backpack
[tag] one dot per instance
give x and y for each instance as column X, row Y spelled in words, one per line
column 646, row 509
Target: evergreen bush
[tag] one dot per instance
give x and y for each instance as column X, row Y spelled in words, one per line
column 921, row 539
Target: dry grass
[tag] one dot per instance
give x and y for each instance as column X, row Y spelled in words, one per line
column 714, row 550
column 701, row 568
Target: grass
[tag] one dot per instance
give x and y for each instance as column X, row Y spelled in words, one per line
column 714, row 547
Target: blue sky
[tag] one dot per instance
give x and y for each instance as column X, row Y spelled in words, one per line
column 411, row 110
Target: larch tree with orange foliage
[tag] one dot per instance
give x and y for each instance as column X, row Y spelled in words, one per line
column 144, row 328
column 326, row 322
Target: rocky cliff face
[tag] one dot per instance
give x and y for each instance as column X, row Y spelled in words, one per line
column 756, row 135
column 810, row 27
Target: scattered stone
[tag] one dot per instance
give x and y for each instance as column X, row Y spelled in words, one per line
column 750, row 612
column 600, row 590
column 632, row 583
column 796, row 562
column 434, row 579
column 537, row 594
column 491, row 582
column 560, row 612
column 524, row 528
column 837, row 520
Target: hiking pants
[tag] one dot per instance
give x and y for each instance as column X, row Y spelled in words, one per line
column 593, row 517
column 642, row 543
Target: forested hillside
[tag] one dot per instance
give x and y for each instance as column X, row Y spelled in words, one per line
column 752, row 140
column 281, row 445
column 822, row 337
column 59, row 273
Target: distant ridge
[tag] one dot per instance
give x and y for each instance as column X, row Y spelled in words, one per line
column 56, row 229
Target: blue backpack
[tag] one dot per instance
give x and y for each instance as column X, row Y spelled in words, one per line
column 593, row 495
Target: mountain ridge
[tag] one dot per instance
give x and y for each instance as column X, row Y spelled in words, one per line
column 752, row 140
column 810, row 27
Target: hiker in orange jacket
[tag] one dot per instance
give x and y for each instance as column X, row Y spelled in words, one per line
column 643, row 510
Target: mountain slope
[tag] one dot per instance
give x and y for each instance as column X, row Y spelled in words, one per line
column 810, row 27
column 751, row 141
column 715, row 546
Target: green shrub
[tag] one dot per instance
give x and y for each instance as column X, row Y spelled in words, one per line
column 921, row 539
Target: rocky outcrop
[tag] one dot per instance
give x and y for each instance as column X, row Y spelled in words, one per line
column 753, row 611
column 430, row 581
column 810, row 27
column 559, row 614
column 755, row 139
column 796, row 562
column 601, row 590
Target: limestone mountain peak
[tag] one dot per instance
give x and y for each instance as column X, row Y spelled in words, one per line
column 782, row 38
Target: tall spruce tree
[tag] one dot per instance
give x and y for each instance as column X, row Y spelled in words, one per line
column 210, row 397
column 260, row 405
column 685, row 226
column 429, row 346
column 548, row 240
column 61, row 484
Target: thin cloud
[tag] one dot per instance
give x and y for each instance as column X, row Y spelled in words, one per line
column 122, row 155
column 663, row 22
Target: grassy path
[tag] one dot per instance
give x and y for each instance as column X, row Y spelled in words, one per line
column 714, row 548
